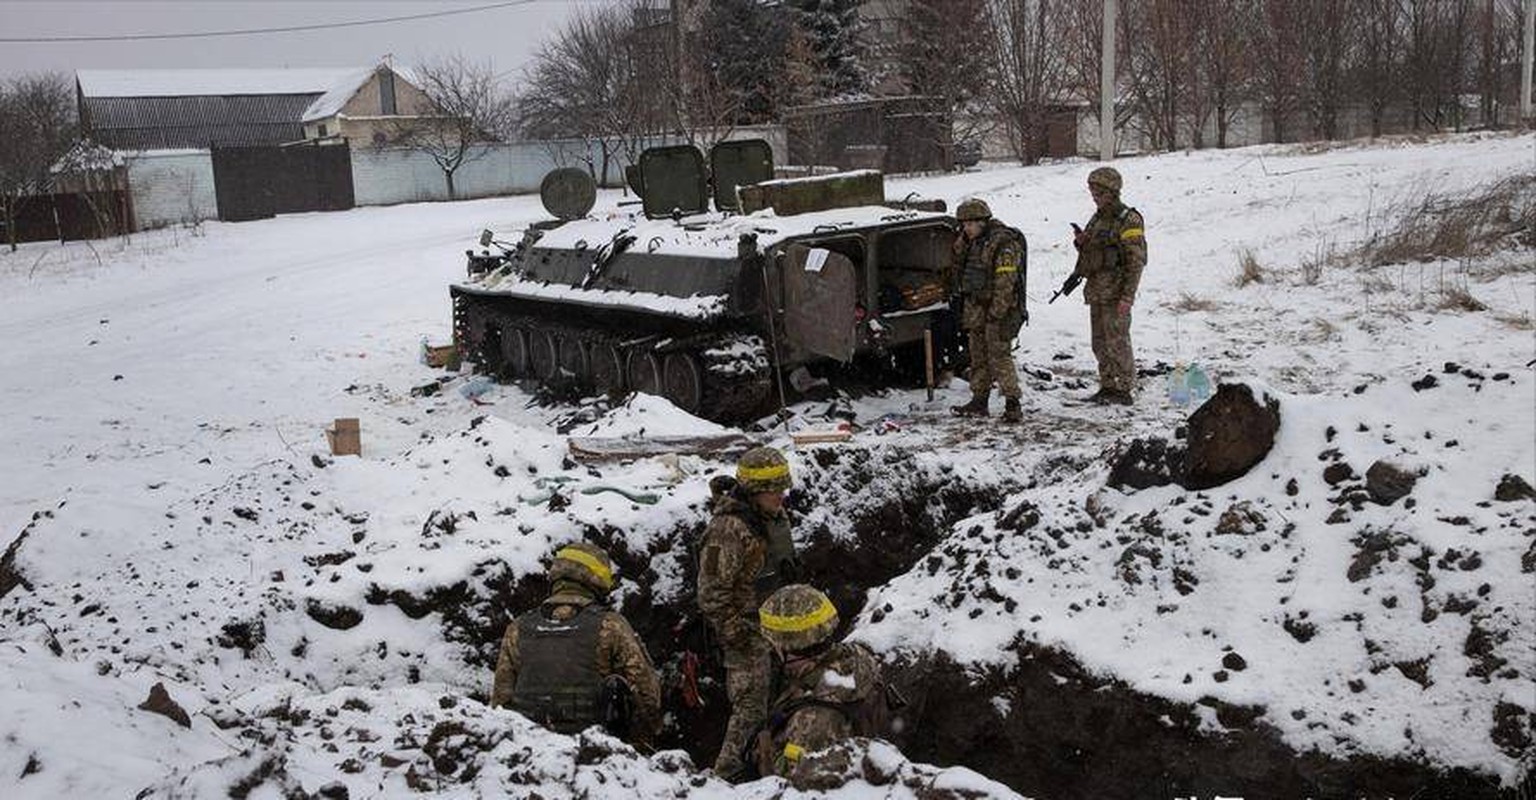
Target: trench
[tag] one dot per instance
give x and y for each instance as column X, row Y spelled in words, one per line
column 1059, row 732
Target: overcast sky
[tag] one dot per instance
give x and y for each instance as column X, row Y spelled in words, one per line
column 506, row 36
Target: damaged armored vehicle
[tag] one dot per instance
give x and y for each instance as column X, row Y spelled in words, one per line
column 714, row 309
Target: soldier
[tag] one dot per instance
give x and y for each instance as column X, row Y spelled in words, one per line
column 1112, row 250
column 825, row 687
column 747, row 553
column 572, row 663
column 988, row 258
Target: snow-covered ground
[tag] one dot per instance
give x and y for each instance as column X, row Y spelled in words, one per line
column 161, row 417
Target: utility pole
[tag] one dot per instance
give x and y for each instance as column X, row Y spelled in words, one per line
column 1525, row 60
column 1107, row 84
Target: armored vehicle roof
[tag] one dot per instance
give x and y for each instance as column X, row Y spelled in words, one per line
column 715, row 235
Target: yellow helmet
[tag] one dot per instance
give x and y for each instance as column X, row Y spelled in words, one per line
column 763, row 469
column 583, row 563
column 797, row 617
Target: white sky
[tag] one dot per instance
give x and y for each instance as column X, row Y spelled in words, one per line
column 506, row 37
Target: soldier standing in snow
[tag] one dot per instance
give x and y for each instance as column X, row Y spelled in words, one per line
column 824, row 687
column 572, row 663
column 747, row 553
column 988, row 260
column 1111, row 253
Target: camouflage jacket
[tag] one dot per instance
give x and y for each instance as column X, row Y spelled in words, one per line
column 816, row 706
column 1112, row 254
column 742, row 560
column 987, row 268
column 619, row 652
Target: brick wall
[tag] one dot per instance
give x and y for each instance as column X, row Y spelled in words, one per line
column 170, row 187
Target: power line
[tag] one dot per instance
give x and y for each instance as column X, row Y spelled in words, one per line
column 139, row 37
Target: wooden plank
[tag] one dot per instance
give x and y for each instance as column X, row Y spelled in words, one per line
column 620, row 448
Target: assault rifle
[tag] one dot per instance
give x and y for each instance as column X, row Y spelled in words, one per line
column 1074, row 279
column 1066, row 287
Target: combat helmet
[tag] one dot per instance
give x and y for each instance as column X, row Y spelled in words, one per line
column 797, row 617
column 583, row 563
column 762, row 469
column 973, row 209
column 1107, row 177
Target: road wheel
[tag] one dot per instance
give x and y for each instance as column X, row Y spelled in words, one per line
column 516, row 361
column 645, row 372
column 606, row 362
column 544, row 356
column 683, row 381
column 572, row 355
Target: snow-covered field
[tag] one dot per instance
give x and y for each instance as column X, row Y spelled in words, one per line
column 161, row 417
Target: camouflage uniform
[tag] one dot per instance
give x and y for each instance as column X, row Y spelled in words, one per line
column 989, row 268
column 617, row 652
column 746, row 554
column 816, row 705
column 987, row 274
column 1112, row 253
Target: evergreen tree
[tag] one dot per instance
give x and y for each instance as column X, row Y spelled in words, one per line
column 832, row 29
column 745, row 43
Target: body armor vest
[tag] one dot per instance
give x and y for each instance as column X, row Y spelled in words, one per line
column 558, row 685
column 980, row 258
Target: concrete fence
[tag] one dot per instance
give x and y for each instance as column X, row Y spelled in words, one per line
column 177, row 186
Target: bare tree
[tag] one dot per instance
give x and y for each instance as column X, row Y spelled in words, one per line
column 1224, row 62
column 942, row 53
column 1031, row 70
column 1377, row 74
column 606, row 79
column 1498, row 44
column 1279, row 68
column 37, row 127
column 469, row 109
column 1081, row 39
column 1327, row 33
column 1162, row 86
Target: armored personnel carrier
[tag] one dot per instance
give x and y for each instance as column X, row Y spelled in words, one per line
column 710, row 308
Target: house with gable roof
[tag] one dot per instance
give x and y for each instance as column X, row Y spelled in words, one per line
column 160, row 109
column 365, row 107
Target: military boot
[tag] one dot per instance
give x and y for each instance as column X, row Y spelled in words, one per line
column 1117, row 398
column 1011, row 411
column 976, row 408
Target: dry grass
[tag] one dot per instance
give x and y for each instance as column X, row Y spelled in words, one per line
column 1494, row 217
column 1519, row 322
column 1312, row 266
column 1192, row 302
column 1249, row 270
column 1457, row 298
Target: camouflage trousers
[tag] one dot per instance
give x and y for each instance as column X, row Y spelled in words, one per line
column 991, row 344
column 1112, row 347
column 746, row 684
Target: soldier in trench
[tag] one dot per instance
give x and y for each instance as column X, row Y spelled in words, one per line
column 747, row 553
column 826, row 691
column 573, row 662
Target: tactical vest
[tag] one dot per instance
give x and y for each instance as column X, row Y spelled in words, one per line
column 558, row 685
column 979, row 259
column 779, row 560
column 1100, row 254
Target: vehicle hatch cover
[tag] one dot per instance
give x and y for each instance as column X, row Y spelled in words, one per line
column 740, row 163
column 568, row 193
column 673, row 179
column 819, row 298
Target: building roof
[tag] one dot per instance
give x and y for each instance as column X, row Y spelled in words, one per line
column 204, row 82
column 172, row 108
column 343, row 90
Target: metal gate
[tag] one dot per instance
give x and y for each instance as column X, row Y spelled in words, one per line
column 256, row 182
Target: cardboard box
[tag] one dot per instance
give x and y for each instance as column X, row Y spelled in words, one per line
column 442, row 356
column 345, row 437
